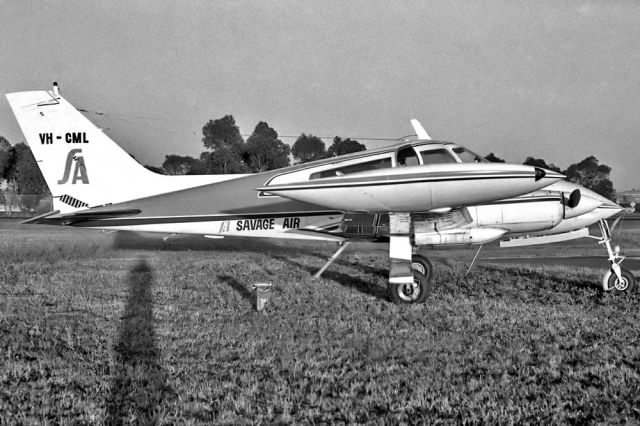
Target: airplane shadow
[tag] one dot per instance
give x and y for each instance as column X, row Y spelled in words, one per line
column 140, row 241
column 368, row 269
column 138, row 388
column 128, row 240
column 241, row 289
column 346, row 280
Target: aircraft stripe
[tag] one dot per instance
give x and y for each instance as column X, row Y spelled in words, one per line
column 199, row 218
column 73, row 202
column 388, row 180
column 609, row 206
column 522, row 200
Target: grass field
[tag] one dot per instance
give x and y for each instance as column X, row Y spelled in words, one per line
column 109, row 328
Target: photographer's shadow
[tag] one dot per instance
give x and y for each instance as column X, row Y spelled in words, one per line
column 138, row 385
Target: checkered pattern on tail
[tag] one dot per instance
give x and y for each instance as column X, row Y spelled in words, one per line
column 73, row 202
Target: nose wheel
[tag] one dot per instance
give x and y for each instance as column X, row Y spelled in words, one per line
column 626, row 282
column 616, row 279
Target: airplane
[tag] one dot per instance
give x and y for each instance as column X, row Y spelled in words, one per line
column 415, row 193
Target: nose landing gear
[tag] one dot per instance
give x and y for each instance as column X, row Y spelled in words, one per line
column 616, row 279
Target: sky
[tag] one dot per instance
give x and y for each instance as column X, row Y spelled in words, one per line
column 548, row 79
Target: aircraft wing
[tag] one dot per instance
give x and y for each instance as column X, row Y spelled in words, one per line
column 416, row 188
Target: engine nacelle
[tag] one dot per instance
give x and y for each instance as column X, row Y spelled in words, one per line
column 524, row 214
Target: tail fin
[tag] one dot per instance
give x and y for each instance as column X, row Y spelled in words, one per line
column 82, row 166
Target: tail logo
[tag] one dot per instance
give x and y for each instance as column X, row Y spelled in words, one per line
column 80, row 170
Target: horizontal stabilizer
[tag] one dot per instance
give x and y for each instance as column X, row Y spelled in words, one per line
column 545, row 239
column 105, row 214
column 40, row 218
column 55, row 218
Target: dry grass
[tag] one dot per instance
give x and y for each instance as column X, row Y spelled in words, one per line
column 121, row 328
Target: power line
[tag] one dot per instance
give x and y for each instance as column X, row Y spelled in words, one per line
column 127, row 118
column 138, row 117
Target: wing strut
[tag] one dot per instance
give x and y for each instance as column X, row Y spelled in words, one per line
column 474, row 260
column 338, row 252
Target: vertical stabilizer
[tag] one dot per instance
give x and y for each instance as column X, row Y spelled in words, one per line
column 420, row 131
column 82, row 166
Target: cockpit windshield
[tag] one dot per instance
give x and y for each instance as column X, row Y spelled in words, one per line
column 467, row 156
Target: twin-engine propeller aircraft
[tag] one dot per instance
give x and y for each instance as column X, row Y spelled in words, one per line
column 414, row 193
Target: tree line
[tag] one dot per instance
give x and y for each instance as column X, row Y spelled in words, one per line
column 19, row 170
column 588, row 173
column 227, row 152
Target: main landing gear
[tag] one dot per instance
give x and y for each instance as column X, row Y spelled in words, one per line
column 615, row 279
column 417, row 291
column 410, row 275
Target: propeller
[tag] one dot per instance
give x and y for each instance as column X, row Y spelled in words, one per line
column 571, row 202
column 574, row 198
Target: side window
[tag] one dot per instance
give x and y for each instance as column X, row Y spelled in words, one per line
column 437, row 156
column 468, row 156
column 407, row 157
column 380, row 163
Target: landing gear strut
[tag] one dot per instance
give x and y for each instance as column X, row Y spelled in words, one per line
column 410, row 274
column 615, row 279
column 417, row 291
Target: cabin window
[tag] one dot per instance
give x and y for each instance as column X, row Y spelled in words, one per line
column 467, row 156
column 407, row 157
column 380, row 163
column 437, row 156
column 383, row 219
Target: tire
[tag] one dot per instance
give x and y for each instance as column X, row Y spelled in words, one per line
column 419, row 291
column 422, row 264
column 626, row 286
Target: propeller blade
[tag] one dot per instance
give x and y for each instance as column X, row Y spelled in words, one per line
column 571, row 202
column 574, row 199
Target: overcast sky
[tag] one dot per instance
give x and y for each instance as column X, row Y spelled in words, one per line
column 556, row 80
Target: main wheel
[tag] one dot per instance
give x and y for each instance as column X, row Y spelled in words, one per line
column 423, row 265
column 419, row 290
column 626, row 283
